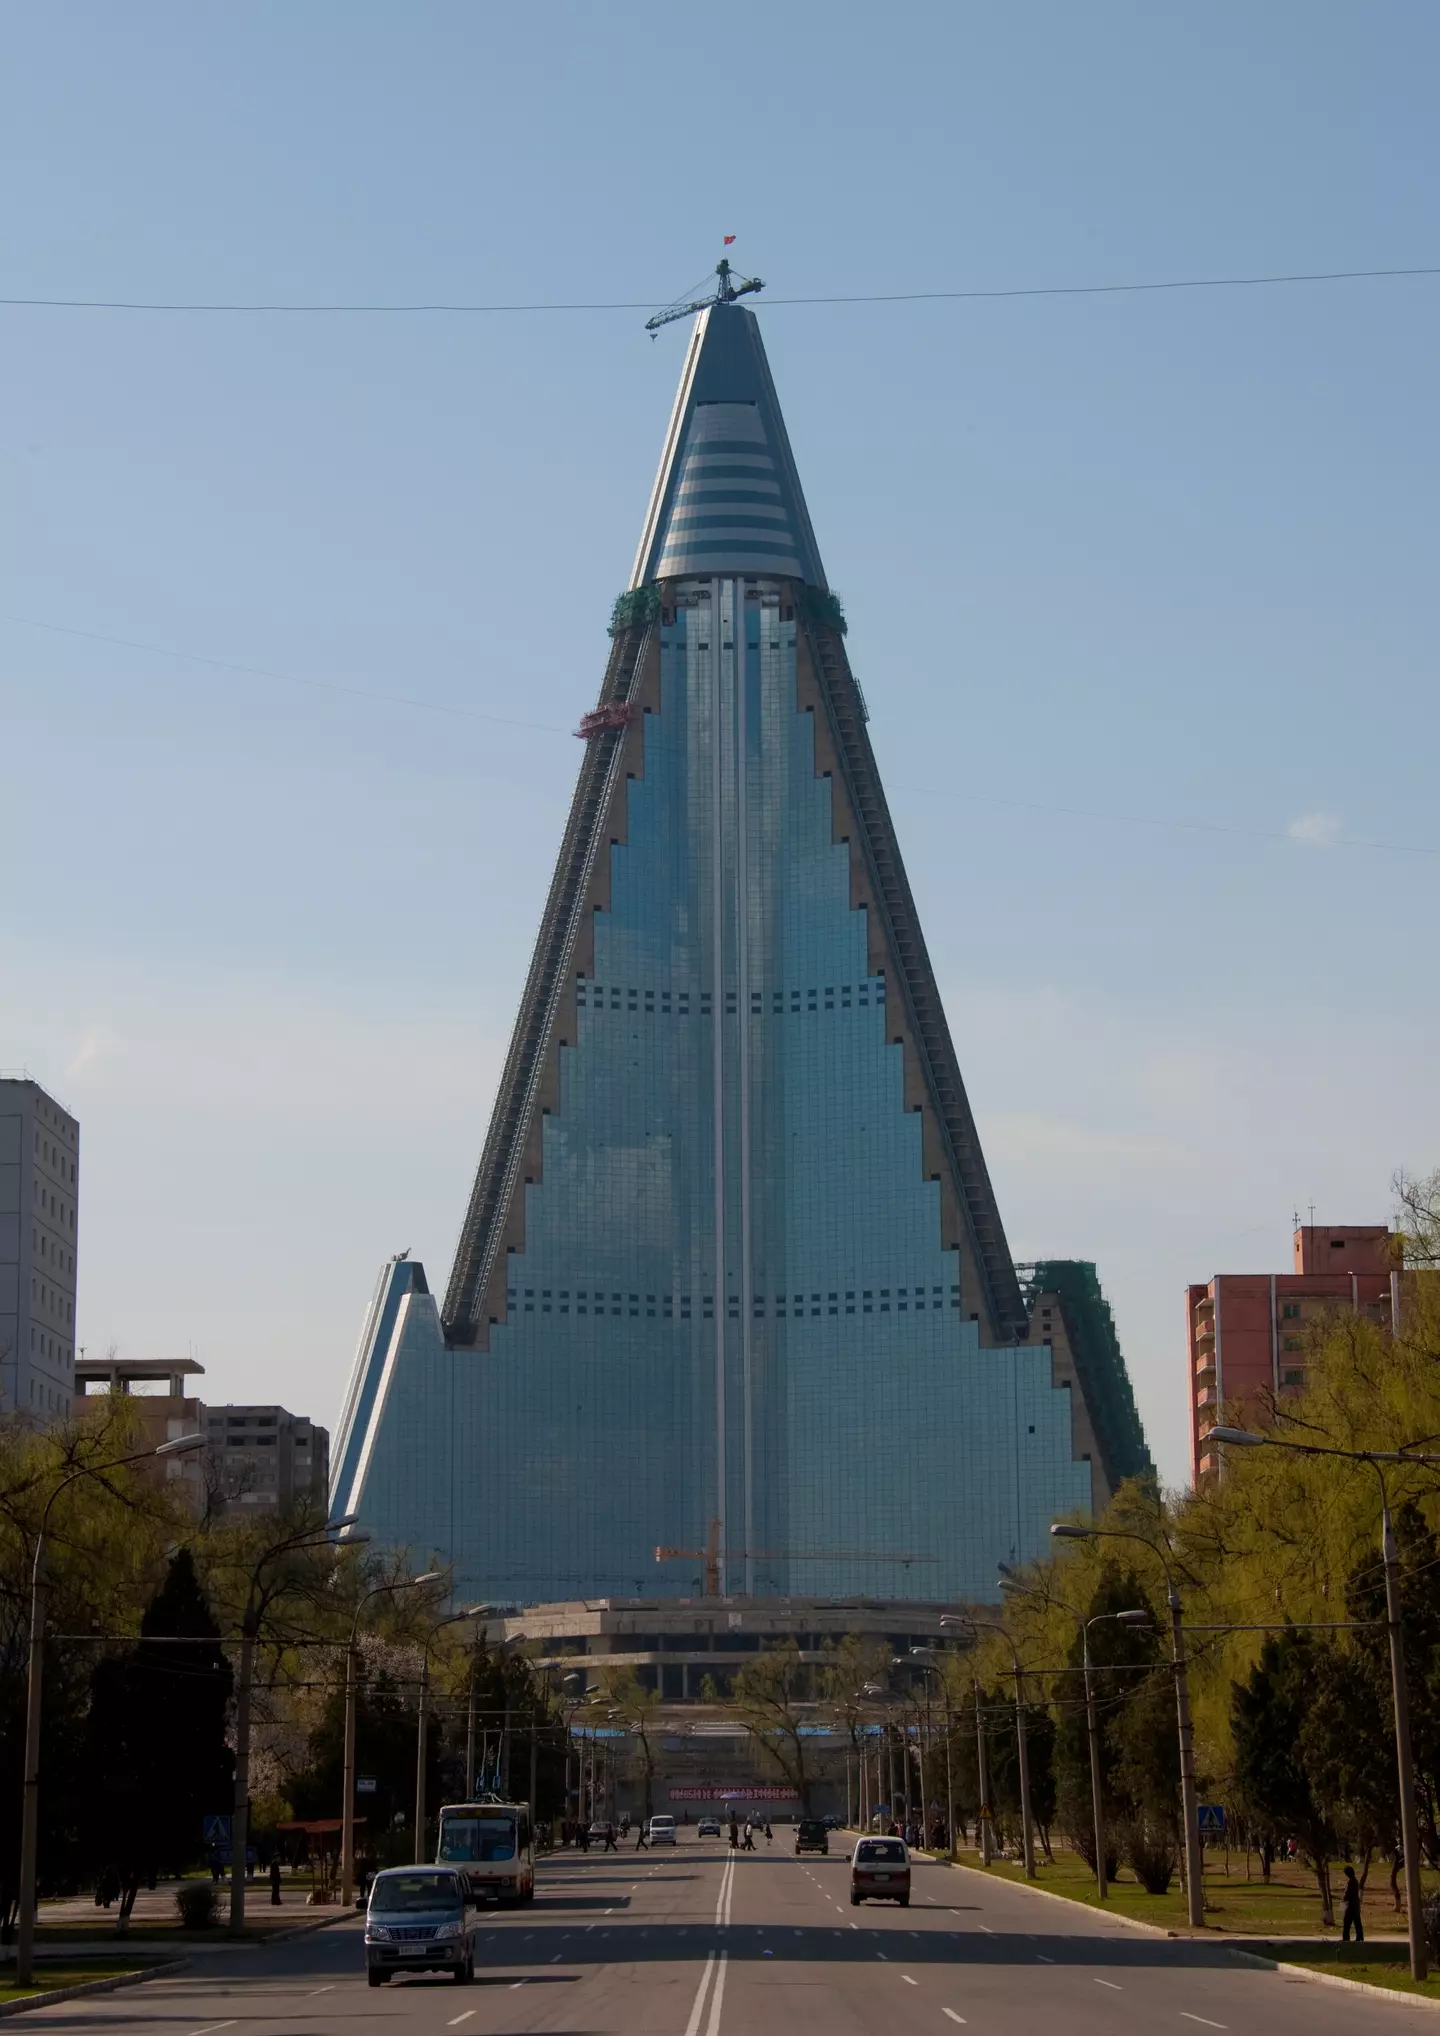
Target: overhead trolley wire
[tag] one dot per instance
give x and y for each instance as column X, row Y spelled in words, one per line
column 858, row 297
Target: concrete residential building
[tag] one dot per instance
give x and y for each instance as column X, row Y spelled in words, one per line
column 263, row 1458
column 266, row 1459
column 733, row 1254
column 39, row 1240
column 1246, row 1333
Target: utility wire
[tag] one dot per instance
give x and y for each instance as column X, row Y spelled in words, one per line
column 866, row 297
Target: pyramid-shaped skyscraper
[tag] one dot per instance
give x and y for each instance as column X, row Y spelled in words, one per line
column 732, row 1265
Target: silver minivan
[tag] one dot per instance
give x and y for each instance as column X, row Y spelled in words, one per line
column 419, row 1919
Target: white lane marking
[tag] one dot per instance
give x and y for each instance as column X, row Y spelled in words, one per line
column 908, row 1981
column 699, row 2007
column 516, row 1983
column 1185, row 2016
column 883, row 1954
column 954, row 2017
column 713, row 2025
column 1043, row 1959
column 319, row 1990
column 1114, row 1988
column 986, row 1928
column 609, row 1912
column 557, row 1958
column 211, row 2027
column 455, row 2022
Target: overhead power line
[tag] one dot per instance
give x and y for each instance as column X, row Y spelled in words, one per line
column 864, row 297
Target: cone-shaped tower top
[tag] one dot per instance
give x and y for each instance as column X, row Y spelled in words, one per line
column 727, row 498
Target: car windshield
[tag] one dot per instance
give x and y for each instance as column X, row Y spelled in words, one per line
column 477, row 1838
column 812, row 1828
column 408, row 1894
column 881, row 1851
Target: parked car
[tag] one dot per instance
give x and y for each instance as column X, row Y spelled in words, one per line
column 661, row 1831
column 419, row 1919
column 811, row 1835
column 708, row 1827
column 880, row 1871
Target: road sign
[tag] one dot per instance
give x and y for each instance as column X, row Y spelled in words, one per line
column 364, row 1784
column 1212, row 1820
column 217, row 1830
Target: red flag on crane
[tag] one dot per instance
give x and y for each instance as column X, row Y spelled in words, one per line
column 729, row 240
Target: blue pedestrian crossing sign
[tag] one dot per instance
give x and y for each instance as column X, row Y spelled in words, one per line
column 217, row 1830
column 1212, row 1820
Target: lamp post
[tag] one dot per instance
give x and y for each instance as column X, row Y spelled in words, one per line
column 1022, row 1734
column 1137, row 1617
column 422, row 1721
column 332, row 1533
column 1242, row 1438
column 1189, row 1806
column 352, row 1680
column 30, row 1809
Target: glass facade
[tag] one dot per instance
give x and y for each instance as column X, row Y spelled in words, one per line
column 732, row 1300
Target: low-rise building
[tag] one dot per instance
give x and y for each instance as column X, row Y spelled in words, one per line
column 1247, row 1333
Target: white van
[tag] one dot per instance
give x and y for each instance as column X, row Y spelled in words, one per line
column 661, row 1831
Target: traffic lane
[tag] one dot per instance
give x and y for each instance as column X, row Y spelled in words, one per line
column 1003, row 1956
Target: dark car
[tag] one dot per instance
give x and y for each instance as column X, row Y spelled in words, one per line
column 811, row 1835
column 419, row 1919
column 880, row 1871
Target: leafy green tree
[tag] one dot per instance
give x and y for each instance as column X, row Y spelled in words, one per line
column 772, row 1694
column 1269, row 1712
column 1121, row 1658
column 156, row 1754
column 636, row 1706
column 385, row 1744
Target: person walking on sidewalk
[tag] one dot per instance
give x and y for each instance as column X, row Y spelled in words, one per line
column 1351, row 1917
column 642, row 1843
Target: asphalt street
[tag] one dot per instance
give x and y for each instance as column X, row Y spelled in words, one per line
column 692, row 1943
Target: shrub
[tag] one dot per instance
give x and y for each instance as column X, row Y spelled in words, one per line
column 1153, row 1856
column 197, row 1905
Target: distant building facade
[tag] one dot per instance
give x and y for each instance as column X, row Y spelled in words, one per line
column 39, row 1240
column 1247, row 1333
column 266, row 1459
column 256, row 1459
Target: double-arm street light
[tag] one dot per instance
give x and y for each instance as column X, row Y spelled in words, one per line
column 1189, row 1806
column 1138, row 1617
column 1242, row 1438
column 352, row 1705
column 30, row 1812
column 338, row 1533
column 423, row 1720
column 1022, row 1732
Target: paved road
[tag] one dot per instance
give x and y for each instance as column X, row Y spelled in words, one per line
column 689, row 1943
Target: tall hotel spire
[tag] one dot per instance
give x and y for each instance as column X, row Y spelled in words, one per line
column 732, row 1263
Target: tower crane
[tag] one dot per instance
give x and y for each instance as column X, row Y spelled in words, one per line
column 728, row 287
column 710, row 1556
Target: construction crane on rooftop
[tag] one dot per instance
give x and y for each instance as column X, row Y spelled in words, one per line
column 728, row 287
column 710, row 1556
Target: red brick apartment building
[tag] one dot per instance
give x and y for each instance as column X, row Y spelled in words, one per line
column 1246, row 1332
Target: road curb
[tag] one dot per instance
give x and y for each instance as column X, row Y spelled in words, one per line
column 92, row 1986
column 1356, row 1986
column 309, row 1927
column 1085, row 1908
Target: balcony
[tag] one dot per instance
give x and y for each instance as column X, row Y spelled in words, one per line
column 1205, row 1399
column 1205, row 1365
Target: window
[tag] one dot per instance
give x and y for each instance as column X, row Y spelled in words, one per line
column 1293, row 1343
column 1291, row 1311
column 1292, row 1378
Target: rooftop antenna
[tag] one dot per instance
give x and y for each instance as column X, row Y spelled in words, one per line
column 727, row 288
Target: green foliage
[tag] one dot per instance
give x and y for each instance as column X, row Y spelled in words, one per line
column 822, row 608
column 1271, row 1773
column 634, row 608
column 197, row 1904
column 773, row 1693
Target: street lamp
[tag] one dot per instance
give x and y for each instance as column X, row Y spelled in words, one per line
column 338, row 1533
column 181, row 1445
column 1189, row 1806
column 1243, row 1438
column 423, row 1720
column 1138, row 1617
column 347, row 1807
column 1022, row 1733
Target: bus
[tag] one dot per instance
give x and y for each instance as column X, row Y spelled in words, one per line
column 493, row 1845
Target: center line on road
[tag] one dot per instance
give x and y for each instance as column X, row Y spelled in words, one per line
column 954, row 2017
column 458, row 2019
column 908, row 1981
column 1113, row 1986
column 211, row 2027
column 320, row 1990
column 1185, row 2017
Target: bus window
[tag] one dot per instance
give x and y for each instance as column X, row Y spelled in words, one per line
column 471, row 1839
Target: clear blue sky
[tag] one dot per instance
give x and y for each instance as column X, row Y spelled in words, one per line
column 1109, row 562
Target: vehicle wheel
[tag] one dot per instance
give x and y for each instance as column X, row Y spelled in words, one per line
column 855, row 1901
column 903, row 1900
column 378, row 1979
